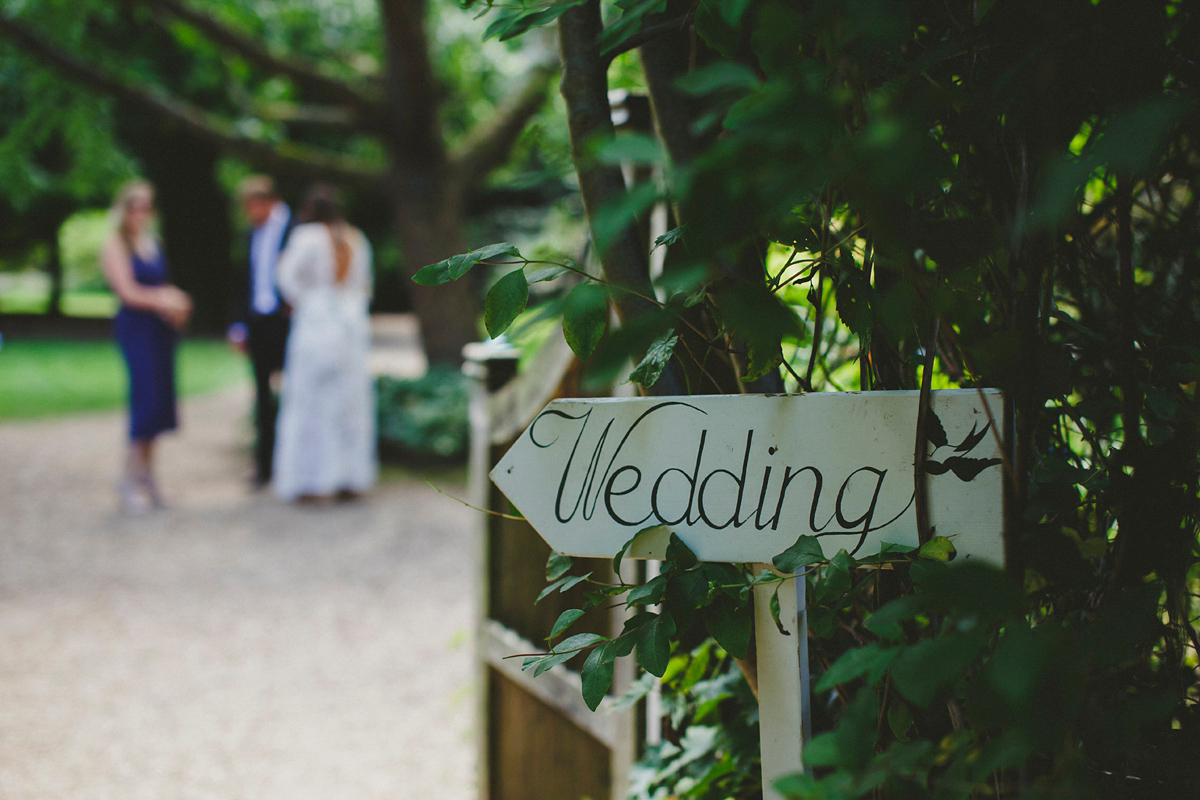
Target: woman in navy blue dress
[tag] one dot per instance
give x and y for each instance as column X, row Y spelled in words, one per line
column 147, row 330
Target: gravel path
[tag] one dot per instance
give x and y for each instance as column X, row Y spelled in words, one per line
column 230, row 646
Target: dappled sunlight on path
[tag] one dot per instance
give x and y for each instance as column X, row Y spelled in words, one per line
column 229, row 646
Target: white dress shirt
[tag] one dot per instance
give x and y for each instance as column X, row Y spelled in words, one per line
column 265, row 243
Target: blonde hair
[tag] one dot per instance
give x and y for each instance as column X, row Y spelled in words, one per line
column 119, row 216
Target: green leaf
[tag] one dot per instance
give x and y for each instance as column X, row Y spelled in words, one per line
column 760, row 322
column 572, row 581
column 544, row 274
column 493, row 252
column 615, row 217
column 679, row 555
column 888, row 551
column 834, row 580
column 822, row 751
column 632, row 631
column 669, row 238
column 597, row 674
column 856, row 729
column 551, row 589
column 885, row 623
column 585, row 315
column 853, row 663
column 718, row 23
column 558, row 565
column 453, row 268
column 629, row 23
column 806, row 550
column 562, row 584
column 651, row 366
column 505, row 301
column 510, row 23
column 900, row 719
column 565, row 620
column 616, row 563
column 648, row 593
column 717, row 76
column 939, row 548
column 433, row 274
column 773, row 605
column 550, row 662
column 579, row 641
column 822, row 621
column 687, row 592
column 654, row 645
column 924, row 669
column 635, row 148
column 731, row 624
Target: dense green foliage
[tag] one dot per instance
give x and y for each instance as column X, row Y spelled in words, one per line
column 45, row 377
column 927, row 194
column 395, row 101
column 423, row 418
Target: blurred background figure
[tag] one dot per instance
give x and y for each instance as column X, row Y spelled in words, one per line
column 262, row 327
column 146, row 328
column 326, row 435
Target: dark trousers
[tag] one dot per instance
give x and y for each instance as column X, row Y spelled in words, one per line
column 266, row 341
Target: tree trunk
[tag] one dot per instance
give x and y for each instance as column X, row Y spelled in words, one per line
column 429, row 224
column 428, row 201
column 54, row 269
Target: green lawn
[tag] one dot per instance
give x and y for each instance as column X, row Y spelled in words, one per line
column 55, row 376
column 75, row 303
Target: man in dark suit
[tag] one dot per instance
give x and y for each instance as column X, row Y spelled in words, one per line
column 262, row 327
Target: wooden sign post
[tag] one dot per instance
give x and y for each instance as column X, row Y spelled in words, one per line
column 740, row 477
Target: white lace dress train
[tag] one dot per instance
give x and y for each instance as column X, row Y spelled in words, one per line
column 325, row 439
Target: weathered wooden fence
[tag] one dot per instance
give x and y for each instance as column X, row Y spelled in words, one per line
column 538, row 740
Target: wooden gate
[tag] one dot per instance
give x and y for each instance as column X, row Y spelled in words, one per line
column 538, row 740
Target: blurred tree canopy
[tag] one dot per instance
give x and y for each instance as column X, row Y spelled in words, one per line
column 919, row 194
column 352, row 92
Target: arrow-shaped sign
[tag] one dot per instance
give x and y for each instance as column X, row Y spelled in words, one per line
column 740, row 477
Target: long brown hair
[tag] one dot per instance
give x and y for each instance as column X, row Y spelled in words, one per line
column 321, row 205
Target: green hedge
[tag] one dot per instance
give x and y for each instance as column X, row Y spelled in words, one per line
column 423, row 418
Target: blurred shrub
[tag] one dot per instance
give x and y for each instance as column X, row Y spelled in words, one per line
column 424, row 418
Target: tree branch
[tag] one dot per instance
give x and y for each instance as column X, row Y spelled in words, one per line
column 488, row 145
column 308, row 114
column 589, row 118
column 648, row 35
column 283, row 157
column 365, row 102
column 667, row 55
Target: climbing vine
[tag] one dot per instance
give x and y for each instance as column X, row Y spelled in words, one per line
column 922, row 194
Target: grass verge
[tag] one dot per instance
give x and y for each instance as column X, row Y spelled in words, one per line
column 46, row 377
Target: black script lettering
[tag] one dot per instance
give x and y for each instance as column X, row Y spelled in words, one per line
column 788, row 477
column 589, row 475
column 609, row 493
column 741, row 484
column 865, row 519
column 587, row 499
column 691, row 479
column 762, row 497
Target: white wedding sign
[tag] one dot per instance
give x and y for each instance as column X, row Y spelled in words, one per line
column 740, row 477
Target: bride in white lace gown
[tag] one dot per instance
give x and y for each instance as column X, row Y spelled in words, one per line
column 325, row 441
